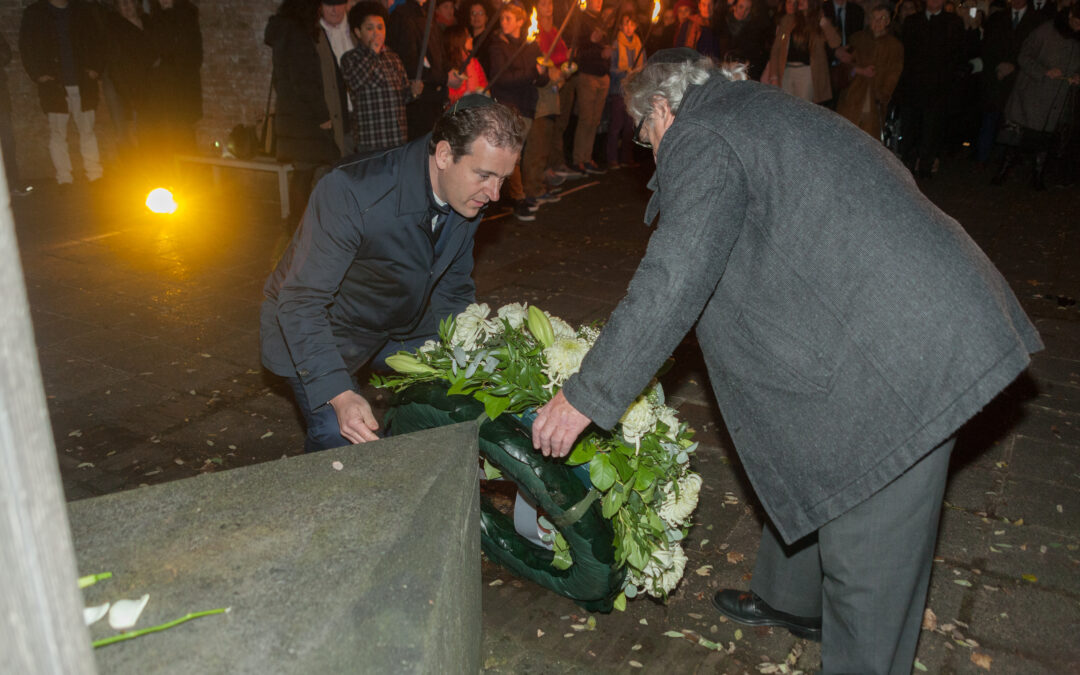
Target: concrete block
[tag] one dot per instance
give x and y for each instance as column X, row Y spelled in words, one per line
column 374, row 567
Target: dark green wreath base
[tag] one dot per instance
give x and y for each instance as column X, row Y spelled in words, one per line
column 593, row 581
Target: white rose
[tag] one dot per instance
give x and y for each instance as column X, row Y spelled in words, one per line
column 564, row 359
column 470, row 327
column 677, row 508
column 515, row 313
column 560, row 328
column 638, row 420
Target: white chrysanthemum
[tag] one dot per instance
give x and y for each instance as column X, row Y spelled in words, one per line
column 564, row 359
column 560, row 328
column 663, row 572
column 471, row 326
column 677, row 508
column 667, row 416
column 515, row 313
column 429, row 346
column 638, row 420
column 589, row 334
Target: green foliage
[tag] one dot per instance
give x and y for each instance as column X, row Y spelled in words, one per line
column 506, row 369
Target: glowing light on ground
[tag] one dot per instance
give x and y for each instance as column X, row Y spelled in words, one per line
column 161, row 200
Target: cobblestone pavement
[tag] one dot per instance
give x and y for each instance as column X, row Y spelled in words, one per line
column 147, row 333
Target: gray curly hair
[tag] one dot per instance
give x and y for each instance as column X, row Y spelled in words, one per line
column 670, row 80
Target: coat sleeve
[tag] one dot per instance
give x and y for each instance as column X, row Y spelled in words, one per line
column 703, row 199
column 30, row 40
column 323, row 251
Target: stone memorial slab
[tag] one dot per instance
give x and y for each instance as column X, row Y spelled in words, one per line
column 363, row 559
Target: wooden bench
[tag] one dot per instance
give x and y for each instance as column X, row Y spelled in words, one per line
column 255, row 164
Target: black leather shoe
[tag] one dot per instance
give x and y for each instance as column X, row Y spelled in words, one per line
column 746, row 607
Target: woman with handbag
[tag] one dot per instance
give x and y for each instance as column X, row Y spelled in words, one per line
column 1045, row 88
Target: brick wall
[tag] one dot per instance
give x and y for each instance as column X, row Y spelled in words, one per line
column 235, row 78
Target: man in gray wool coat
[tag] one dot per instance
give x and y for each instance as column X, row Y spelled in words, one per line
column 849, row 327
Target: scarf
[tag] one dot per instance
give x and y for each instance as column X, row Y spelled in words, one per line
column 628, row 51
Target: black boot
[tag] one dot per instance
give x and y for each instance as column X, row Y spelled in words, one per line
column 1037, row 181
column 1007, row 162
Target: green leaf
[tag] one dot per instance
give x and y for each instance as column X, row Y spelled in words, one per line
column 562, row 559
column 919, row 666
column 621, row 465
column 583, row 452
column 457, row 386
column 637, row 557
column 645, row 477
column 620, row 602
column 655, row 523
column 493, row 405
column 491, row 472
column 610, row 504
column 674, row 634
column 601, row 473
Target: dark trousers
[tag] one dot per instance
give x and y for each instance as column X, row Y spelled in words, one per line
column 323, row 432
column 865, row 573
column 621, row 129
column 924, row 134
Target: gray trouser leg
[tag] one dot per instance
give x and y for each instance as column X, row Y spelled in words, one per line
column 876, row 559
column 866, row 572
column 788, row 577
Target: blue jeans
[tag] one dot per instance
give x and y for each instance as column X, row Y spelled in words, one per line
column 321, row 420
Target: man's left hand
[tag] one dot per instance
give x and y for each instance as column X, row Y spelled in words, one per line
column 557, row 427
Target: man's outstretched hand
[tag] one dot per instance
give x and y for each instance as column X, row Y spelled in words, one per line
column 557, row 427
column 354, row 417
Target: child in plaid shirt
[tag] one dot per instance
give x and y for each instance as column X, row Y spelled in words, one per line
column 377, row 83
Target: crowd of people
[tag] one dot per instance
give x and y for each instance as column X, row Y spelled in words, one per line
column 933, row 78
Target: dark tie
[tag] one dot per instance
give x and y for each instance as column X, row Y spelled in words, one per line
column 436, row 219
column 1016, row 18
column 840, row 23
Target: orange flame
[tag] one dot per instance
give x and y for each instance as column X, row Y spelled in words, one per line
column 583, row 5
column 534, row 27
column 655, row 11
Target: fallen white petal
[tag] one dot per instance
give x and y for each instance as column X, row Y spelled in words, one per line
column 92, row 615
column 125, row 613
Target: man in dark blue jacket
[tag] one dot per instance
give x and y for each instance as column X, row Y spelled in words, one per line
column 384, row 252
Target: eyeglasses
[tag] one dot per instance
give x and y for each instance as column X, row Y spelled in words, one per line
column 637, row 133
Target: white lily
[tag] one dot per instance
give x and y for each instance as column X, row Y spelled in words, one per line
column 125, row 613
column 92, row 615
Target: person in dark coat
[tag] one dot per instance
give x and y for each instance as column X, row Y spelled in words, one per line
column 62, row 52
column 515, row 77
column 1045, row 91
column 303, row 125
column 933, row 59
column 176, row 78
column 849, row 328
column 130, row 55
column 384, row 253
column 1004, row 32
column 405, row 35
column 744, row 34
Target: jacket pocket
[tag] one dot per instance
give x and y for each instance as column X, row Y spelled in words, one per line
column 781, row 358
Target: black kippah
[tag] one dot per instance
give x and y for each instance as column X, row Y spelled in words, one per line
column 470, row 101
column 674, row 55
